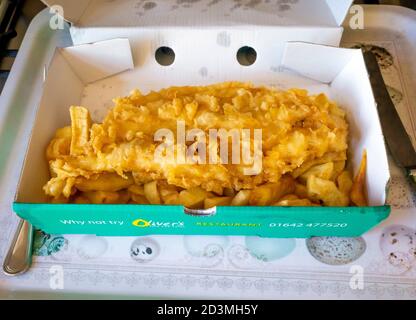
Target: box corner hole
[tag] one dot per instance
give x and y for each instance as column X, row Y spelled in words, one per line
column 246, row 56
column 165, row 56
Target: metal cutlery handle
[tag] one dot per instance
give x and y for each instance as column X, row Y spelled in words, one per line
column 19, row 256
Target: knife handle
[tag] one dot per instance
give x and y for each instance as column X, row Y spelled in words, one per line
column 19, row 256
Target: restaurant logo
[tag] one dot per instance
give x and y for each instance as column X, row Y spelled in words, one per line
column 142, row 223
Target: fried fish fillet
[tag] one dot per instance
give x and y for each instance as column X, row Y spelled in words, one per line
column 298, row 131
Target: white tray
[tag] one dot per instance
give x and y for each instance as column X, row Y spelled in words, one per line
column 213, row 267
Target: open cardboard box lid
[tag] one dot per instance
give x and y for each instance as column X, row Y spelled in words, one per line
column 229, row 25
column 198, row 13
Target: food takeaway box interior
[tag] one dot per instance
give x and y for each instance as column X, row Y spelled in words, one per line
column 113, row 52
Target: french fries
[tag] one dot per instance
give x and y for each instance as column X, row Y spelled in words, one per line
column 336, row 157
column 267, row 194
column 136, row 189
column 301, row 191
column 80, row 130
column 105, row 182
column 290, row 197
column 339, row 167
column 327, row 192
column 172, row 199
column 358, row 190
column 217, row 202
column 60, row 144
column 151, row 193
column 102, row 197
column 322, row 171
column 82, row 200
column 193, row 198
column 345, row 183
column 139, row 199
column 295, row 203
column 111, row 188
column 167, row 191
column 228, row 192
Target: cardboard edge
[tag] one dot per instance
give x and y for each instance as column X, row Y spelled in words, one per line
column 25, row 158
column 387, row 178
column 78, row 67
column 33, row 213
column 384, row 209
column 339, row 9
column 37, row 115
column 357, row 56
column 293, row 46
column 33, row 125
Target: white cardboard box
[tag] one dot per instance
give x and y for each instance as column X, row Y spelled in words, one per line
column 94, row 73
column 91, row 75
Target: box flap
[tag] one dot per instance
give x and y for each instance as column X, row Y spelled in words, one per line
column 97, row 13
column 92, row 62
column 339, row 9
column 335, row 59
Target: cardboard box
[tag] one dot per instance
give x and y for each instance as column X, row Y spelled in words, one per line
column 92, row 74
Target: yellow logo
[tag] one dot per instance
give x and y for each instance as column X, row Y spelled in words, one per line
column 141, row 223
